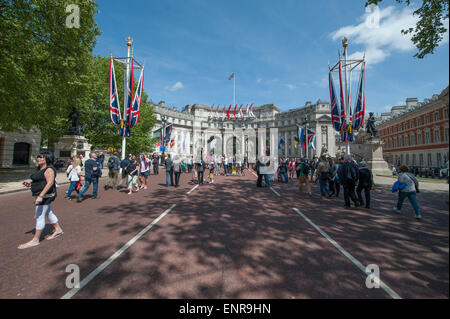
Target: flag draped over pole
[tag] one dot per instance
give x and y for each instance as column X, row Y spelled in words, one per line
column 167, row 133
column 335, row 116
column 136, row 106
column 228, row 113
column 281, row 143
column 360, row 106
column 114, row 107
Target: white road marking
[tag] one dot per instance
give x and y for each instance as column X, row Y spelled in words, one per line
column 100, row 268
column 278, row 194
column 385, row 287
column 192, row 189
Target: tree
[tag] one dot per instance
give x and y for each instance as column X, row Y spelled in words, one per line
column 95, row 115
column 430, row 30
column 45, row 64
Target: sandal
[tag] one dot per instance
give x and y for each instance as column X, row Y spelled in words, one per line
column 25, row 246
column 56, row 236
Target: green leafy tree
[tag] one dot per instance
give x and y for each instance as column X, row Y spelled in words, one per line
column 44, row 67
column 429, row 30
column 95, row 115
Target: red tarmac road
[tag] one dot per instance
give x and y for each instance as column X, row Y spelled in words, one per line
column 226, row 240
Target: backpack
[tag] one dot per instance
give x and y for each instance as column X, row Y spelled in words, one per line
column 176, row 167
column 111, row 163
column 305, row 169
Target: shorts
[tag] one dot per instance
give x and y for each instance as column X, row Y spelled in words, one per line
column 145, row 174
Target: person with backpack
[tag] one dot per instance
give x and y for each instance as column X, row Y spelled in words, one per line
column 282, row 171
column 91, row 175
column 323, row 174
column 133, row 172
column 348, row 177
column 169, row 171
column 410, row 191
column 365, row 183
column 177, row 168
column 113, row 174
column 43, row 187
column 200, row 171
column 303, row 176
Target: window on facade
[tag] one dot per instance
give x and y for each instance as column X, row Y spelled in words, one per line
column 429, row 161
column 412, row 124
column 419, row 139
column 401, row 142
column 413, row 140
column 407, row 159
column 446, row 113
column 427, row 138
column 421, row 159
column 406, row 141
column 436, row 116
column 419, row 121
column 438, row 160
column 446, row 134
column 401, row 159
column 427, row 119
column 414, row 159
column 437, row 136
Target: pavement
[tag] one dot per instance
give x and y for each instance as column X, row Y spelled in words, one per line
column 227, row 240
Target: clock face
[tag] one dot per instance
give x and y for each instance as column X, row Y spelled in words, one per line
column 80, row 145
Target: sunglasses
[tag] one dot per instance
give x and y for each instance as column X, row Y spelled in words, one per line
column 40, row 156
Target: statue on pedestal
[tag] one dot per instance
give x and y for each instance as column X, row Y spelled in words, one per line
column 77, row 127
column 370, row 127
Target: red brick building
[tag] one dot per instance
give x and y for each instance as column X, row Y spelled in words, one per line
column 417, row 134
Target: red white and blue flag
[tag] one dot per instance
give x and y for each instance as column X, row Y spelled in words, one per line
column 231, row 76
column 335, row 117
column 228, row 113
column 114, row 108
column 130, row 95
column 360, row 106
column 137, row 101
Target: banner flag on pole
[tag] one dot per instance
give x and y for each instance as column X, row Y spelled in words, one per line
column 313, row 142
column 228, row 113
column 335, row 117
column 309, row 135
column 360, row 101
column 231, row 76
column 234, row 113
column 137, row 101
column 130, row 94
column 280, row 143
column 114, row 107
column 251, row 111
column 167, row 133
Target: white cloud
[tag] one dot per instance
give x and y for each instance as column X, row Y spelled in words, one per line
column 291, row 86
column 259, row 80
column 383, row 39
column 175, row 87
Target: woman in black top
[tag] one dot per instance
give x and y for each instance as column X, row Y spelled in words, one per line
column 44, row 189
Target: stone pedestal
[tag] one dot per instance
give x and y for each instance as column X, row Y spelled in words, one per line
column 371, row 151
column 71, row 145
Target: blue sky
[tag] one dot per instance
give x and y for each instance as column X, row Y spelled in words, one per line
column 279, row 50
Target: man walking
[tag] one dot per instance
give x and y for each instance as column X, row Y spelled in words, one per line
column 323, row 174
column 365, row 183
column 113, row 166
column 169, row 171
column 91, row 175
column 303, row 176
column 283, row 170
column 123, row 165
column 347, row 177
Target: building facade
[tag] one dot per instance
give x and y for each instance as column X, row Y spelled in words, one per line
column 197, row 126
column 19, row 149
column 416, row 134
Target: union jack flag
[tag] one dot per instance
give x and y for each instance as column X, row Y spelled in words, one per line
column 360, row 106
column 335, row 117
column 130, row 95
column 114, row 108
column 137, row 101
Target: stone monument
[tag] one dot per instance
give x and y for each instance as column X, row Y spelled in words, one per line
column 73, row 142
column 369, row 147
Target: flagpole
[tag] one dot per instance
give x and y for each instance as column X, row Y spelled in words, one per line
column 125, row 95
column 345, row 44
column 234, row 88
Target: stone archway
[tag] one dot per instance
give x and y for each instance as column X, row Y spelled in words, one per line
column 214, row 145
column 233, row 145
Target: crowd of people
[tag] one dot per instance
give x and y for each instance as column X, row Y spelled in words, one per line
column 134, row 172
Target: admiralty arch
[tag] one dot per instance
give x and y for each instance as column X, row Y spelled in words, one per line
column 198, row 129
